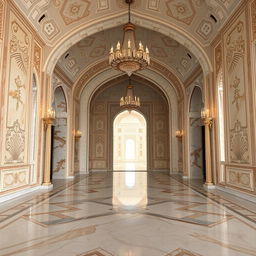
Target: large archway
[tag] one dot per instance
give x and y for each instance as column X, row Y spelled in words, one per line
column 104, row 107
column 129, row 141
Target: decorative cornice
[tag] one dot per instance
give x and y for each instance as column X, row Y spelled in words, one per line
column 198, row 71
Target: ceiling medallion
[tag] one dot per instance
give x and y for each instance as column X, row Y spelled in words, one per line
column 130, row 102
column 127, row 57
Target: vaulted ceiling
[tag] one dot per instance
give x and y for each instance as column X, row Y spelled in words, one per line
column 96, row 47
column 198, row 20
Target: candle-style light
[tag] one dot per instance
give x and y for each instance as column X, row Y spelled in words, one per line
column 127, row 57
column 130, row 101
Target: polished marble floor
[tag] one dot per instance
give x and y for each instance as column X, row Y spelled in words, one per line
column 127, row 214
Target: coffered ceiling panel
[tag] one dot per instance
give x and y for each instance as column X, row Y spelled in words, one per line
column 54, row 19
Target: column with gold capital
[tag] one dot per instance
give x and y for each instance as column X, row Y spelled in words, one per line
column 207, row 121
column 48, row 122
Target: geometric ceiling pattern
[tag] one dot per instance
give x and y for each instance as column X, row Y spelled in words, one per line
column 96, row 47
column 201, row 19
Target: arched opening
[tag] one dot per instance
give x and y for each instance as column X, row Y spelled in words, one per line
column 129, row 141
column 104, row 107
column 221, row 127
column 33, row 130
column 59, row 136
column 196, row 136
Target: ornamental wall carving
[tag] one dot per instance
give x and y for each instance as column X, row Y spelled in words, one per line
column 235, row 82
column 17, row 94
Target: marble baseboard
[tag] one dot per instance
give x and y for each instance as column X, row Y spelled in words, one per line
column 17, row 194
column 237, row 193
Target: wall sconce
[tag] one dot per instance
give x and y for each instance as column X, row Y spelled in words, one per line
column 179, row 134
column 78, row 134
column 206, row 118
column 50, row 117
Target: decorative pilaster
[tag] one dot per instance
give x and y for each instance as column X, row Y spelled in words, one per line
column 48, row 123
column 207, row 121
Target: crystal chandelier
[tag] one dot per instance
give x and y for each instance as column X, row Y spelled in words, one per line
column 127, row 57
column 130, row 101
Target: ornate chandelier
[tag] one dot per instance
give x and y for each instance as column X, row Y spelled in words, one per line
column 130, row 101
column 127, row 57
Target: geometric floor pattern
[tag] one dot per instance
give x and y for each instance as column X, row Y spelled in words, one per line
column 122, row 213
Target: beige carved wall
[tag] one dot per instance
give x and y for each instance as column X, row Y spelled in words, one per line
column 104, row 108
column 21, row 54
column 231, row 56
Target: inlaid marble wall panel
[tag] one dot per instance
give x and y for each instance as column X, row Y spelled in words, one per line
column 17, row 93
column 196, row 147
column 236, row 81
column 104, row 108
column 195, row 130
column 59, row 144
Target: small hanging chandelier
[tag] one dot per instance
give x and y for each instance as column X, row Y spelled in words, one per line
column 127, row 57
column 130, row 102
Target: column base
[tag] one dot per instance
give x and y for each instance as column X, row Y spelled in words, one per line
column 47, row 185
column 185, row 177
column 209, row 186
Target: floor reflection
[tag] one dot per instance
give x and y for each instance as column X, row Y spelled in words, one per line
column 129, row 190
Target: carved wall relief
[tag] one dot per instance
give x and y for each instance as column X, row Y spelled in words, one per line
column 236, row 80
column 18, row 83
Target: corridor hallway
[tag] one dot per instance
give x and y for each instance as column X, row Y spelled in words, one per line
column 127, row 214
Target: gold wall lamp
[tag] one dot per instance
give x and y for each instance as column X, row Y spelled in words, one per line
column 77, row 134
column 179, row 134
column 49, row 119
column 206, row 118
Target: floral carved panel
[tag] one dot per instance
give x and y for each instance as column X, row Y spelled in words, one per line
column 235, row 81
column 19, row 59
